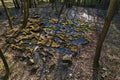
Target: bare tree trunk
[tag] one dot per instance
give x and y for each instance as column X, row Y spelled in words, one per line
column 7, row 14
column 110, row 14
column 16, row 4
column 61, row 10
column 26, row 13
column 6, row 65
column 34, row 3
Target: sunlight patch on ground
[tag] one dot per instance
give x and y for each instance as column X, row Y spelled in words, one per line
column 8, row 3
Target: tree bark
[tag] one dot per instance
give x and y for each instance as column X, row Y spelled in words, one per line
column 108, row 19
column 16, row 4
column 25, row 13
column 6, row 65
column 7, row 14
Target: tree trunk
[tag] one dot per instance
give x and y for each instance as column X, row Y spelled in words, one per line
column 25, row 13
column 16, row 4
column 6, row 65
column 7, row 14
column 107, row 22
column 61, row 10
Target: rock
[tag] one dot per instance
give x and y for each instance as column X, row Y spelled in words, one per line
column 54, row 44
column 30, row 62
column 79, row 41
column 43, row 37
column 67, row 57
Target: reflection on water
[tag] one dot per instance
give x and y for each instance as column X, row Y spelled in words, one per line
column 79, row 41
column 53, row 36
column 63, row 50
column 42, row 32
column 67, row 27
column 66, row 36
column 58, row 25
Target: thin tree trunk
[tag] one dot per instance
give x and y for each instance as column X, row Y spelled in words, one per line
column 6, row 65
column 107, row 22
column 26, row 13
column 7, row 14
column 16, row 4
column 61, row 10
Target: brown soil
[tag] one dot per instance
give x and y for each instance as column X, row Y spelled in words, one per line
column 81, row 68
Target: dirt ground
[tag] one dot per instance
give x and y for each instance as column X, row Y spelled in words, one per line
column 22, row 68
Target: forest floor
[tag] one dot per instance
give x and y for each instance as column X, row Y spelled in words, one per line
column 57, row 64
